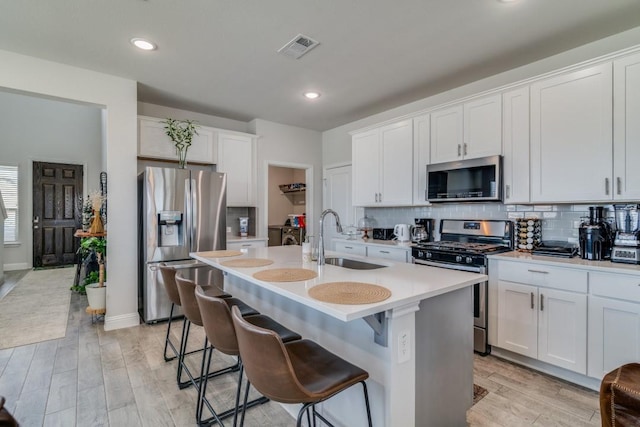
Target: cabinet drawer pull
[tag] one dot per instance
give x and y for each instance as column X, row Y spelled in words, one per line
column 384, row 252
column 538, row 271
column 541, row 302
column 348, row 247
column 532, row 300
column 246, row 244
column 606, row 186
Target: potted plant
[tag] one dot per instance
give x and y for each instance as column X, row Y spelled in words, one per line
column 181, row 133
column 95, row 282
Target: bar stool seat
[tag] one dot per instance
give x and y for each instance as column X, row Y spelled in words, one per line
column 218, row 325
column 620, row 397
column 295, row 372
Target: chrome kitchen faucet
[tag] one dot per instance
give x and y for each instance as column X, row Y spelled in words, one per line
column 321, row 238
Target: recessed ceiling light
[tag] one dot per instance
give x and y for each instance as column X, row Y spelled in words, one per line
column 143, row 44
column 311, row 95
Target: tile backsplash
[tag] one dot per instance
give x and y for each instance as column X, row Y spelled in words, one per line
column 559, row 222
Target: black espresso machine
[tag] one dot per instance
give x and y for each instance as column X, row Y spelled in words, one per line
column 595, row 236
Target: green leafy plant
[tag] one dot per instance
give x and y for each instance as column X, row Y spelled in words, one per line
column 93, row 244
column 181, row 133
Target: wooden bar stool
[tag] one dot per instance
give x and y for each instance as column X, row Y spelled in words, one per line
column 620, row 397
column 186, row 289
column 218, row 325
column 295, row 372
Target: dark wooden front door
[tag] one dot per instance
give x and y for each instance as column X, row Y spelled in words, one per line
column 57, row 191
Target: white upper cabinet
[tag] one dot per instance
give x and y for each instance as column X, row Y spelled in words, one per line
column 467, row 131
column 515, row 132
column 421, row 147
column 626, row 131
column 153, row 143
column 383, row 165
column 571, row 136
column 237, row 158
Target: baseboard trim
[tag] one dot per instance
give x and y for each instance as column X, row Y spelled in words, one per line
column 122, row 321
column 16, row 266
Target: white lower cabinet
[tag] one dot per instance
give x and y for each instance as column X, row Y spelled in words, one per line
column 351, row 248
column 539, row 320
column 388, row 253
column 239, row 245
column 614, row 322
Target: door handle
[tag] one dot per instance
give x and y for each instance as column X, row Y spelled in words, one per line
column 541, row 302
column 36, row 219
column 619, row 185
column 532, row 300
column 35, row 227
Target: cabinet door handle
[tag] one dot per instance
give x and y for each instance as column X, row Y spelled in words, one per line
column 606, row 186
column 465, row 149
column 508, row 191
column 532, row 300
column 538, row 271
column 619, row 185
column 376, row 195
column 541, row 302
column 459, row 150
column 380, row 197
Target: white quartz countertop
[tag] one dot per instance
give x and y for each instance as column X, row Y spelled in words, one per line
column 231, row 238
column 603, row 266
column 373, row 242
column 408, row 283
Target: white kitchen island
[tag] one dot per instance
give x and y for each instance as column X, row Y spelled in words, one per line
column 421, row 361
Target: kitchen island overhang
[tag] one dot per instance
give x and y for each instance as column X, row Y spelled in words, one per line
column 425, row 374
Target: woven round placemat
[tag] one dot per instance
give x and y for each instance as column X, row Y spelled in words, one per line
column 220, row 253
column 285, row 275
column 349, row 293
column 247, row 262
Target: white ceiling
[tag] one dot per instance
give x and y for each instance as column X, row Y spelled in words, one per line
column 219, row 56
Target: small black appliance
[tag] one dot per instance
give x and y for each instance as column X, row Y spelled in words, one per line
column 383, row 234
column 595, row 236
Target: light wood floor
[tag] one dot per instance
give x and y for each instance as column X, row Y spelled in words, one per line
column 119, row 378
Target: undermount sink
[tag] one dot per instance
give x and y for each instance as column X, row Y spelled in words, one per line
column 353, row 264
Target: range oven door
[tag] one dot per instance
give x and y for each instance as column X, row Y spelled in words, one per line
column 480, row 316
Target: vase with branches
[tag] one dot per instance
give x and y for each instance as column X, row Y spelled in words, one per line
column 181, row 133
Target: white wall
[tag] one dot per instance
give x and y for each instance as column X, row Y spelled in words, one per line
column 3, row 217
column 289, row 146
column 336, row 143
column 119, row 99
column 39, row 129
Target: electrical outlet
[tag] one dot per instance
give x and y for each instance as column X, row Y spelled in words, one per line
column 228, row 229
column 404, row 347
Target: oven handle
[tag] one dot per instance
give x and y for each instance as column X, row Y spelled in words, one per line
column 472, row 269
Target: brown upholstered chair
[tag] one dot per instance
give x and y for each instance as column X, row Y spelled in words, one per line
column 296, row 372
column 218, row 325
column 620, row 397
column 186, row 289
column 6, row 419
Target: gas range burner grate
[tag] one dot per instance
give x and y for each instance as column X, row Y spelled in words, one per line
column 463, row 247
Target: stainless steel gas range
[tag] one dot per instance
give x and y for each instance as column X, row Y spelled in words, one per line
column 464, row 245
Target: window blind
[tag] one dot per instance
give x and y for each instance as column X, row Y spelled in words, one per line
column 9, row 189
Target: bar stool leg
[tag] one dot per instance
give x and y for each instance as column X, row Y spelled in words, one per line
column 167, row 341
column 366, row 402
column 183, row 349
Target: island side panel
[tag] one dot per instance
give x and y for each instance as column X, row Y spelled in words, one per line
column 444, row 359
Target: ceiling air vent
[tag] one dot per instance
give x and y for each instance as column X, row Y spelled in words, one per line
column 298, row 46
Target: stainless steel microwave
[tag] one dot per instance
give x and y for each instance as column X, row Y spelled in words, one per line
column 473, row 180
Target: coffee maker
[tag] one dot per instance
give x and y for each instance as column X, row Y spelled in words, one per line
column 426, row 224
column 595, row 236
column 626, row 245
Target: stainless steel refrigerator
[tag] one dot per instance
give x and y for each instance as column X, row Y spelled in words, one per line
column 179, row 211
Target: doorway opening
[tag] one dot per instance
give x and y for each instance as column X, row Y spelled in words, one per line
column 287, row 205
